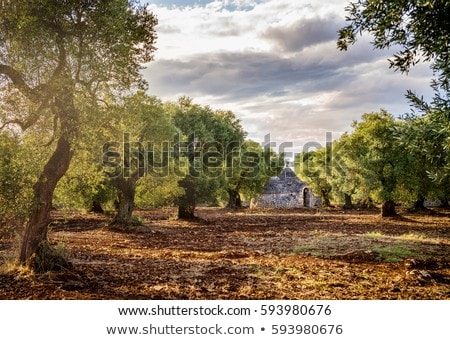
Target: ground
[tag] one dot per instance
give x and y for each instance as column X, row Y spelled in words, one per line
column 252, row 254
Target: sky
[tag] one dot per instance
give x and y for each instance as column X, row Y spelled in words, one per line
column 275, row 64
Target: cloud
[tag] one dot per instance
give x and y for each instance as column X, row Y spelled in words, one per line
column 169, row 29
column 275, row 64
column 303, row 33
column 246, row 74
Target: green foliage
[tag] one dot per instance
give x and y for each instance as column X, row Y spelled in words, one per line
column 145, row 125
column 254, row 168
column 380, row 160
column 426, row 140
column 59, row 62
column 421, row 28
column 209, row 145
column 346, row 181
column 104, row 39
column 83, row 182
column 21, row 160
column 314, row 166
column 154, row 192
column 367, row 164
column 14, row 182
column 134, row 127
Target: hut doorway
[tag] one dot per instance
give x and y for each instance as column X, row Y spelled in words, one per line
column 306, row 198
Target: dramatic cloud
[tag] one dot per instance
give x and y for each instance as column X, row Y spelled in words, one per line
column 276, row 65
column 304, row 33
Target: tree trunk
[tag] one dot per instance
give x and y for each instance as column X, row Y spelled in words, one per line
column 366, row 203
column 97, row 207
column 444, row 203
column 37, row 226
column 234, row 199
column 187, row 203
column 348, row 204
column 186, row 212
column 125, row 206
column 419, row 205
column 326, row 200
column 388, row 209
column 124, row 215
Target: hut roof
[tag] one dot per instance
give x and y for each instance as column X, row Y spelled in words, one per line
column 286, row 182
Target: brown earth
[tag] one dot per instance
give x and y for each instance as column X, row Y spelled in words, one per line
column 253, row 254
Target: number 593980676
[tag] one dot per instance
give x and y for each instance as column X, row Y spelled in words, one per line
column 307, row 329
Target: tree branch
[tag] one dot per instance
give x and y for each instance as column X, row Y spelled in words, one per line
column 18, row 81
column 30, row 119
column 55, row 127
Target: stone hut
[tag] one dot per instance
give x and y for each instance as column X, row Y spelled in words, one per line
column 287, row 191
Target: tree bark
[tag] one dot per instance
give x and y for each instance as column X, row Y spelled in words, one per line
column 187, row 202
column 234, row 199
column 366, row 203
column 419, row 204
column 388, row 209
column 444, row 203
column 326, row 200
column 37, row 226
column 348, row 204
column 97, row 207
column 186, row 212
column 125, row 206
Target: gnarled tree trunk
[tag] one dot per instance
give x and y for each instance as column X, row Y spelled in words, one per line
column 388, row 209
column 419, row 204
column 348, row 204
column 187, row 202
column 444, row 203
column 38, row 220
column 234, row 199
column 96, row 207
column 125, row 206
column 325, row 199
column 37, row 226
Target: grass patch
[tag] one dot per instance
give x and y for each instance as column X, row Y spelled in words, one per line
column 404, row 237
column 374, row 235
column 327, row 245
column 312, row 249
column 395, row 253
column 390, row 248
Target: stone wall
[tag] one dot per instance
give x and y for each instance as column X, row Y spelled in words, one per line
column 287, row 191
column 279, row 201
column 289, row 200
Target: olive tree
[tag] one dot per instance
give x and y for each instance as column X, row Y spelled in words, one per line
column 205, row 147
column 58, row 58
column 421, row 29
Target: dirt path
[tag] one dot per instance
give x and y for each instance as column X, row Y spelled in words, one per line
column 257, row 254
